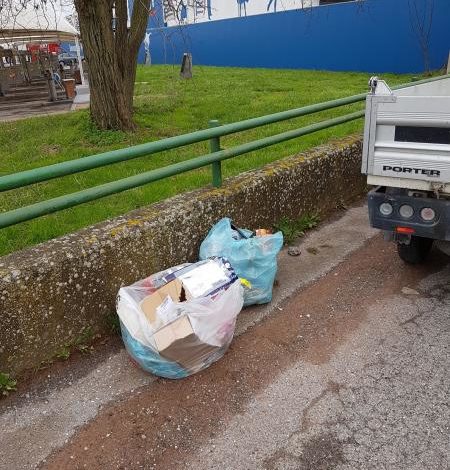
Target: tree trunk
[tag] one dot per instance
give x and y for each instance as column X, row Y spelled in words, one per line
column 111, row 49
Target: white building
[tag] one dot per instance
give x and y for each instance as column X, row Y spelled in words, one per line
column 196, row 11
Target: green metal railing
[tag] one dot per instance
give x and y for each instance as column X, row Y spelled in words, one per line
column 214, row 158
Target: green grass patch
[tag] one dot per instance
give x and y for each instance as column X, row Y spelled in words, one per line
column 293, row 229
column 165, row 106
column 7, row 384
column 81, row 343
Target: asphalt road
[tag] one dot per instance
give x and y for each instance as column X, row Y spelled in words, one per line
column 347, row 369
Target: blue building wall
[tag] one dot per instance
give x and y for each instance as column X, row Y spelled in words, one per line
column 373, row 36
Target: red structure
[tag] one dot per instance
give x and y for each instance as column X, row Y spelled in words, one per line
column 50, row 48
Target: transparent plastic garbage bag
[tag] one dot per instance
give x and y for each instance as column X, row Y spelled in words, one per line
column 184, row 333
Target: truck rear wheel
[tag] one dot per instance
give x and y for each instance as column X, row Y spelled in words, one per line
column 417, row 250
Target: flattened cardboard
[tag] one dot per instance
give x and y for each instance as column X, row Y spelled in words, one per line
column 153, row 301
column 179, row 329
column 177, row 342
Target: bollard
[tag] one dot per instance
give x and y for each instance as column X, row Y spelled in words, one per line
column 214, row 145
column 52, row 94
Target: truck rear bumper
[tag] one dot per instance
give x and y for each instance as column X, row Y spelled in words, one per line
column 438, row 229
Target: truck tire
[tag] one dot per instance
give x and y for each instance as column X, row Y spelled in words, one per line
column 417, row 251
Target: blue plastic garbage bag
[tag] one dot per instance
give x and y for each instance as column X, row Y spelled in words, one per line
column 253, row 258
column 149, row 359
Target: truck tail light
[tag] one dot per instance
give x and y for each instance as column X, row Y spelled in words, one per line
column 405, row 230
column 386, row 209
column 406, row 211
column 428, row 214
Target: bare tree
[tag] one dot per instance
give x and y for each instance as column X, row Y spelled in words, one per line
column 421, row 17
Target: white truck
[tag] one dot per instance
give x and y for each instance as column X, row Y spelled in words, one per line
column 406, row 156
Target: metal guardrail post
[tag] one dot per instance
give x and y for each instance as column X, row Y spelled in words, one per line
column 214, row 146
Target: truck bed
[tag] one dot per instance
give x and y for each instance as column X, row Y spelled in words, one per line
column 407, row 136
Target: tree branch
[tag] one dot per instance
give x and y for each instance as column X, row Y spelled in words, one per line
column 139, row 21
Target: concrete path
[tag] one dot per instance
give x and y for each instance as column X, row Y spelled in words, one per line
column 29, row 109
column 346, row 369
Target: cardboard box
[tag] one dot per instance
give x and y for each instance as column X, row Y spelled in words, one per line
column 177, row 342
column 150, row 304
column 194, row 283
column 174, row 337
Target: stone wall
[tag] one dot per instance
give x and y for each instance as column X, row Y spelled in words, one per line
column 51, row 292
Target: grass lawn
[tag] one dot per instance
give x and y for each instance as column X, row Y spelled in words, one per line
column 165, row 106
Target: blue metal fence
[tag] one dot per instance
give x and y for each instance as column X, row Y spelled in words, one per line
column 373, row 36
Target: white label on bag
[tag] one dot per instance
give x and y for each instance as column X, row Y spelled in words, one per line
column 167, row 311
column 204, row 279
